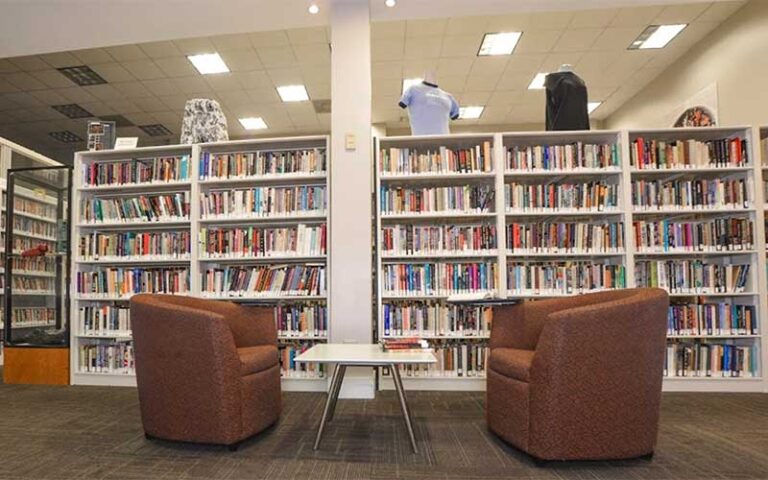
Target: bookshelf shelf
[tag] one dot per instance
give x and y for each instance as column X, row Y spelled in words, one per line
column 732, row 337
column 693, row 170
column 278, row 179
column 436, row 178
column 443, row 255
column 694, row 253
column 277, row 220
column 142, row 225
column 526, row 254
column 562, row 173
column 269, row 259
column 21, row 213
column 149, row 187
column 561, row 213
column 438, row 216
column 133, row 261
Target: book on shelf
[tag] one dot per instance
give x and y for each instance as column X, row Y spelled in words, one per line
column 25, row 243
column 405, row 345
column 702, row 319
column 134, row 245
column 109, row 357
column 435, row 319
column 37, row 208
column 564, row 277
column 102, row 320
column 262, row 163
column 21, row 283
column 409, row 239
column 589, row 196
column 692, row 276
column 650, row 154
column 289, row 368
column 568, row 157
column 439, row 278
column 437, row 160
column 454, row 360
column 459, row 199
column 285, row 280
column 126, row 281
column 302, row 320
column 264, row 242
column 565, row 237
column 33, row 316
column 136, row 208
column 136, row 171
column 704, row 359
column 34, row 264
column 265, row 201
column 31, row 226
column 698, row 193
column 713, row 235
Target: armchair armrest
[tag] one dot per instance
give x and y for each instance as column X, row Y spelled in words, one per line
column 519, row 326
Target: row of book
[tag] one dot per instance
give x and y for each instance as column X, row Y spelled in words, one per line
column 33, row 264
column 711, row 319
column 20, row 243
column 136, row 171
column 692, row 276
column 439, row 278
column 564, row 278
column 103, row 320
column 34, row 227
column 463, row 198
column 106, row 357
column 719, row 234
column 568, row 157
column 237, row 242
column 711, row 360
column 302, row 320
column 453, row 360
column 565, row 237
column 411, row 344
column 33, row 316
column 698, row 193
column 124, row 282
column 433, row 319
column 265, row 201
column 138, row 208
column 134, row 245
column 261, row 163
column 409, row 239
column 595, row 196
column 648, row 154
column 442, row 160
column 22, row 283
column 290, row 368
column 285, row 280
column 34, row 207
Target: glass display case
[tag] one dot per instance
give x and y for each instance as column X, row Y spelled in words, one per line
column 36, row 265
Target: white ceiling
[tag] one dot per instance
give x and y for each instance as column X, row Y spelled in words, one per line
column 150, row 82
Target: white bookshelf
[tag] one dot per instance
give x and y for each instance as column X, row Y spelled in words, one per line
column 197, row 261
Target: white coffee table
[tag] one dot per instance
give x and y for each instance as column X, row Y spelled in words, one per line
column 372, row 355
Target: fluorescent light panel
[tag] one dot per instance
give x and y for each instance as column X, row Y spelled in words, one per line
column 471, row 113
column 313, row 9
column 409, row 82
column 592, row 106
column 253, row 123
column 499, row 43
column 657, row 36
column 538, row 81
column 293, row 93
column 208, row 63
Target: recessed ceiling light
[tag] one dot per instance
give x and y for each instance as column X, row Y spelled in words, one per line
column 253, row 123
column 313, row 9
column 657, row 36
column 293, row 93
column 390, row 3
column 409, row 82
column 208, row 63
column 592, row 106
column 470, row 113
column 538, row 81
column 499, row 43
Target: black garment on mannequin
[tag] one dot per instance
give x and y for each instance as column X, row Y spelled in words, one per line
column 566, row 102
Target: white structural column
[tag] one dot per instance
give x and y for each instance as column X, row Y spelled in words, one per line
column 351, row 185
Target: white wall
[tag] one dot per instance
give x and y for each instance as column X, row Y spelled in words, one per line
column 734, row 56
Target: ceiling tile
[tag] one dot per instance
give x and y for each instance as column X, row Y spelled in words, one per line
column 7, row 104
column 254, row 79
column 277, row 38
column 7, row 87
column 161, row 86
column 597, row 62
column 390, row 69
column 263, row 95
column 141, row 118
column 452, row 84
column 616, row 38
column 24, row 81
column 123, row 106
column 593, row 18
column 515, row 80
column 547, row 20
column 171, row 102
column 423, row 47
column 393, row 30
column 577, row 40
column 425, row 28
column 454, row 66
column 680, row 13
column 176, row 66
column 285, row 76
column 319, row 90
column 61, row 59
column 553, row 61
column 153, row 104
column 30, row 63
column 482, row 82
column 468, row 25
column 505, row 97
column 7, row 67
column 316, row 73
column 538, row 41
column 132, row 89
column 515, row 22
column 720, row 11
column 236, row 41
column 387, row 87
column 303, row 36
column 113, row 72
column 76, row 94
column 160, row 49
column 313, row 54
column 99, row 108
column 194, row 46
column 636, row 16
column 222, row 82
column 192, row 85
column 473, row 98
column 49, row 97
column 53, row 78
column 384, row 50
column 417, row 68
column 104, row 92
column 241, row 60
column 124, row 53
column 461, row 45
column 45, row 113
column 144, row 69
column 277, row 56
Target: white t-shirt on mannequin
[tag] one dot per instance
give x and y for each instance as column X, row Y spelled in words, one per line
column 429, row 109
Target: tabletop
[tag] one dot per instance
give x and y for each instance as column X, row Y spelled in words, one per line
column 367, row 354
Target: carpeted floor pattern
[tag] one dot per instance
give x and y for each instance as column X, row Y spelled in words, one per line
column 90, row 432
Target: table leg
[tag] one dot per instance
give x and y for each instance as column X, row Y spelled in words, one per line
column 404, row 405
column 336, row 391
column 328, row 402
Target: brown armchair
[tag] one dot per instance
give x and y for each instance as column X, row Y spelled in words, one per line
column 207, row 371
column 579, row 378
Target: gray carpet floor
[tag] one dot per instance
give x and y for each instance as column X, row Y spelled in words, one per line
column 89, row 432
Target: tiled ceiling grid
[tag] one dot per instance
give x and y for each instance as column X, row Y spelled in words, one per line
column 148, row 84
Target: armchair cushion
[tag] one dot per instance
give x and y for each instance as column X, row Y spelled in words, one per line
column 257, row 359
column 512, row 362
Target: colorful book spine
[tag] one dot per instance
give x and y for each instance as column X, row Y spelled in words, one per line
column 720, row 234
column 454, row 360
column 262, row 202
column 106, row 357
column 33, row 317
column 264, row 281
column 692, row 194
column 303, row 320
column 245, row 242
column 123, row 282
column 134, row 245
column 34, row 207
column 660, row 154
column 34, row 264
column 589, row 196
column 30, row 226
column 136, row 209
column 704, row 359
column 432, row 319
column 102, row 320
column 136, row 171
column 692, row 276
column 290, row 368
column 433, row 279
column 409, row 239
column 572, row 156
column 563, row 278
column 262, row 163
column 32, row 284
column 440, row 160
column 695, row 319
column 565, row 237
